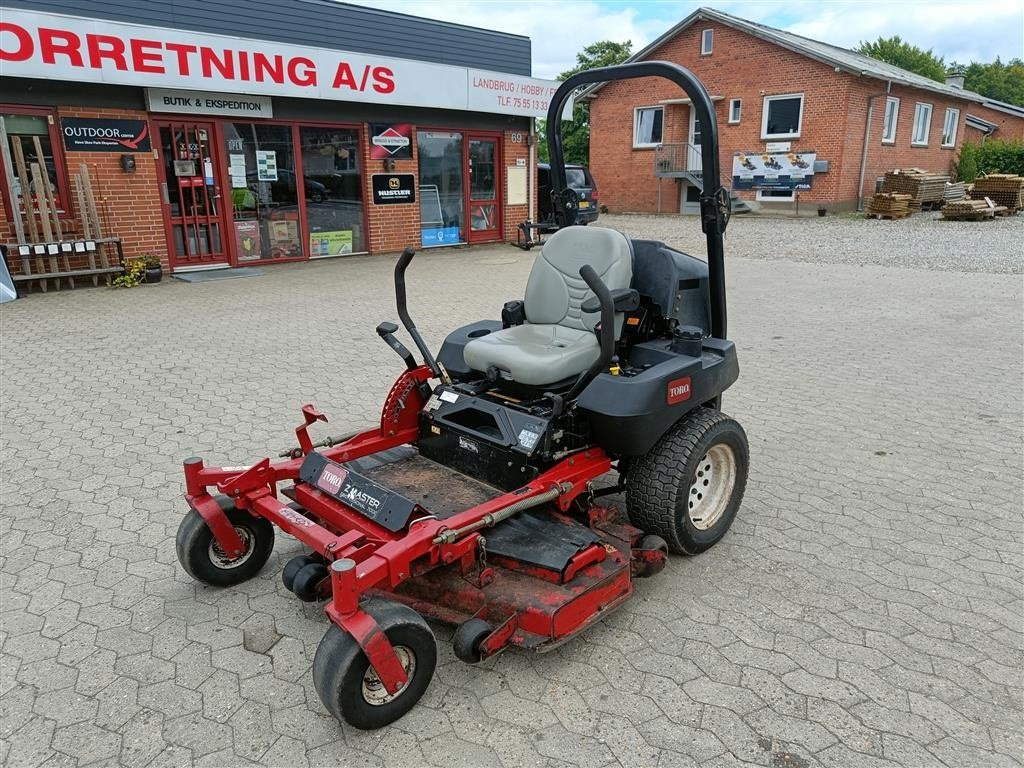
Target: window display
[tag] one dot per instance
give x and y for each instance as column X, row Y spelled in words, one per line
column 441, row 191
column 334, row 190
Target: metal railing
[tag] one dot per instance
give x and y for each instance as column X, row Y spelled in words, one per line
column 676, row 159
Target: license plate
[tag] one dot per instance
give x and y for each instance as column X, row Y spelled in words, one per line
column 584, row 203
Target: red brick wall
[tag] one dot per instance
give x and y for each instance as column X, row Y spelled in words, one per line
column 745, row 67
column 514, row 214
column 391, row 227
column 128, row 204
column 1010, row 127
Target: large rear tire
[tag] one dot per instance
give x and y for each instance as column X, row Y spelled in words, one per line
column 688, row 487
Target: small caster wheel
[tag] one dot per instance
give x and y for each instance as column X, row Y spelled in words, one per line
column 467, row 639
column 307, row 580
column 293, row 566
column 203, row 559
column 649, row 556
column 350, row 688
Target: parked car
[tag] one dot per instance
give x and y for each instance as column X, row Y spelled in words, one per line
column 578, row 178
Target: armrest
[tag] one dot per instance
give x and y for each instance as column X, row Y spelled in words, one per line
column 513, row 313
column 625, row 300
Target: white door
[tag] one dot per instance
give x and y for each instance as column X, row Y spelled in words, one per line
column 693, row 152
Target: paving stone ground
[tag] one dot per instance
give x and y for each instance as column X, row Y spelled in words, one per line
column 865, row 609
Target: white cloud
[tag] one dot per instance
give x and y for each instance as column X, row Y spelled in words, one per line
column 957, row 30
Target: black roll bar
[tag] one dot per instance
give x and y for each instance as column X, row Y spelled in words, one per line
column 714, row 198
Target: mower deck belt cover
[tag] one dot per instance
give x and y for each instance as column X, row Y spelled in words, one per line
column 385, row 507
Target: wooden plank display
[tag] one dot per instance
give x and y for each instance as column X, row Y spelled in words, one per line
column 888, row 205
column 8, row 162
column 973, row 210
column 86, row 227
column 925, row 189
column 94, row 218
column 51, row 204
column 44, row 216
column 1003, row 188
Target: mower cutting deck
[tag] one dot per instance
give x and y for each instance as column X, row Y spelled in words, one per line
column 476, row 501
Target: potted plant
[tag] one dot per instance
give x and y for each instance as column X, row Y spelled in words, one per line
column 822, row 210
column 154, row 272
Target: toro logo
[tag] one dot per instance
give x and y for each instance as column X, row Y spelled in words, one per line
column 679, row 390
column 331, row 479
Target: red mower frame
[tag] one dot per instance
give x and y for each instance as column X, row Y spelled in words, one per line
column 362, row 555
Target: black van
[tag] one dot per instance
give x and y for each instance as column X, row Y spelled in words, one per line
column 579, row 178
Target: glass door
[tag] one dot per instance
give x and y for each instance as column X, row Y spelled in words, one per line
column 191, row 194
column 442, row 195
column 483, row 165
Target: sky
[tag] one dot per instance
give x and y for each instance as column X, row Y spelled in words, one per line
column 957, row 30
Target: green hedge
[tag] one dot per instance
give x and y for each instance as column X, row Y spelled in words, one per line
column 993, row 156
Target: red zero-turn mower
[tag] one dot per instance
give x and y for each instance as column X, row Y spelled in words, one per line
column 477, row 500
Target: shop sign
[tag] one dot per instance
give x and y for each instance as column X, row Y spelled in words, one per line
column 71, row 48
column 334, row 243
column 773, row 170
column 91, row 134
column 433, row 236
column 390, row 141
column 206, row 103
column 392, row 188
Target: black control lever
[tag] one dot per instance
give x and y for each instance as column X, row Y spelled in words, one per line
column 403, row 312
column 387, row 332
column 607, row 304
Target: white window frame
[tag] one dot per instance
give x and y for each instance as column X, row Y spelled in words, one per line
column 955, row 114
column 636, row 126
column 738, row 103
column 775, row 198
column 919, row 108
column 764, row 117
column 707, row 42
column 895, row 103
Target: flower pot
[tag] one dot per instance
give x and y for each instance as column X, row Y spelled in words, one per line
column 822, row 211
column 154, row 274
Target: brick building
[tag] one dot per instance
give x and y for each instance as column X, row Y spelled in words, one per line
column 296, row 129
column 777, row 95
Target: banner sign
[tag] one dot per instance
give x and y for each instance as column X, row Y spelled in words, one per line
column 92, row 134
column 392, row 188
column 72, row 48
column 206, row 103
column 773, row 170
column 390, row 141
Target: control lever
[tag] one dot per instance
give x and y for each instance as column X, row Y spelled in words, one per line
column 403, row 313
column 387, row 332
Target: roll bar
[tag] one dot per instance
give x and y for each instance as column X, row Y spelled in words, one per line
column 714, row 199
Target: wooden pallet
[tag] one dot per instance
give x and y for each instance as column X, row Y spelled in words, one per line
column 887, row 216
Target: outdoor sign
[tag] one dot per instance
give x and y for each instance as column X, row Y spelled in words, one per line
column 773, row 170
column 206, row 103
column 390, row 141
column 392, row 188
column 54, row 46
column 92, row 134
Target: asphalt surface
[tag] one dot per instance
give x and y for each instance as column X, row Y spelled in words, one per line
column 864, row 610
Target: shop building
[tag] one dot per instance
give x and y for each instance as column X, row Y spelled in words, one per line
column 787, row 108
column 270, row 131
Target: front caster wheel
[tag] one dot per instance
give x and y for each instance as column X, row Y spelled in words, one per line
column 204, row 560
column 349, row 687
column 306, row 584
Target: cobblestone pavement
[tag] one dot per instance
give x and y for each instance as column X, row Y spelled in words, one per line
column 865, row 610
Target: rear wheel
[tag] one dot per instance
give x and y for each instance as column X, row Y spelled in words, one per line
column 688, row 487
column 202, row 557
column 350, row 688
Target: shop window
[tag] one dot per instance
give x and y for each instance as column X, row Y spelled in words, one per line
column 647, row 126
column 264, row 191
column 441, row 190
column 949, row 127
column 775, row 195
column 735, row 108
column 23, row 130
column 922, row 124
column 892, row 113
column 782, row 116
column 334, row 190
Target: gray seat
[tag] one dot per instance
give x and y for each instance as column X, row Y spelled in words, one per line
column 557, row 341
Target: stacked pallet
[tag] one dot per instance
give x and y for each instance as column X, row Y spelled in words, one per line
column 973, row 210
column 954, row 191
column 924, row 188
column 889, row 205
column 1002, row 188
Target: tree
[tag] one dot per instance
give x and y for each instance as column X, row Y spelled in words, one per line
column 1003, row 82
column 576, row 135
column 906, row 56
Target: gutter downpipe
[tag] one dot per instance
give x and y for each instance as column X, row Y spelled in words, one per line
column 867, row 141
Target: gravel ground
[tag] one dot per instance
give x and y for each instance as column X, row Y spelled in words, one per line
column 967, row 246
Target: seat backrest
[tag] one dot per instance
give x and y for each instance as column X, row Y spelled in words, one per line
column 555, row 289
